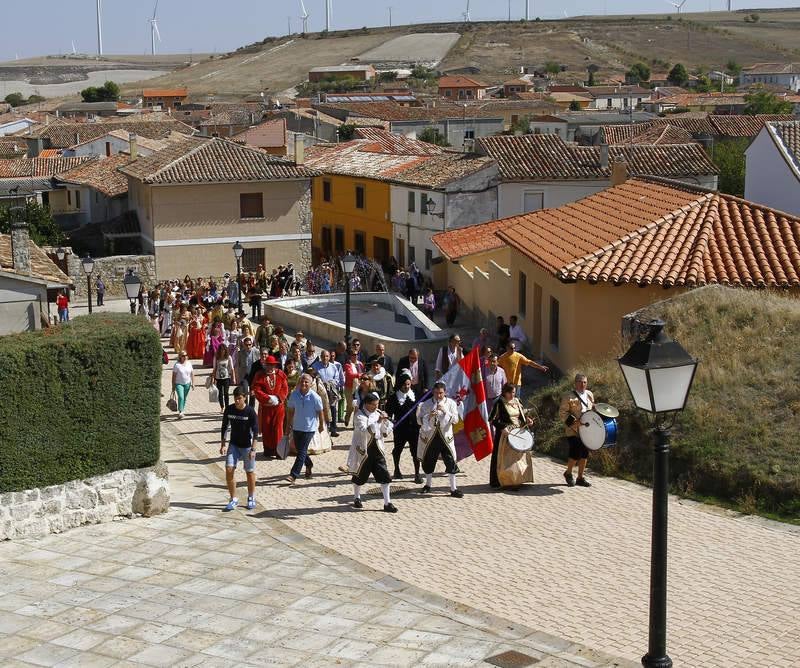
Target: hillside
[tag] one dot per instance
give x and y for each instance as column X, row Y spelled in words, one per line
column 498, row 49
column 736, row 442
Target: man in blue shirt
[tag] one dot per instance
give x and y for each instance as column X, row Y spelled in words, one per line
column 331, row 373
column 242, row 421
column 304, row 413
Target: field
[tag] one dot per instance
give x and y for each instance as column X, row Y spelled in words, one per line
column 495, row 49
column 736, row 442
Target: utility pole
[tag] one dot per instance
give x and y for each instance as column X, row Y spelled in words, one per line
column 509, row 11
column 527, row 10
column 289, row 24
column 99, row 30
column 390, row 17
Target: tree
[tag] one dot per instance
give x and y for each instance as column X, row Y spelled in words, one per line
column 346, row 131
column 388, row 76
column 552, row 67
column 433, row 136
column 35, row 99
column 521, row 125
column 15, row 99
column 764, row 102
column 639, row 72
column 592, row 70
column 42, row 228
column 574, row 106
column 729, row 157
column 732, row 67
column 422, row 72
column 678, row 75
column 108, row 92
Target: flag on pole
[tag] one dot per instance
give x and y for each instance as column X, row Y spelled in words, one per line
column 464, row 384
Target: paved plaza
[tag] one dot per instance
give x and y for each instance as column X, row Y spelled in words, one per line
column 571, row 562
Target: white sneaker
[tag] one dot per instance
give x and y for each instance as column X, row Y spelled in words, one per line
column 180, row 416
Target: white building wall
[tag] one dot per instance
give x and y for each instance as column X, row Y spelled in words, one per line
column 13, row 127
column 21, row 303
column 98, row 147
column 768, row 179
column 790, row 81
column 512, row 196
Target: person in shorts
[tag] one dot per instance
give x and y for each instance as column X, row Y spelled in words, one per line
column 242, row 422
column 573, row 405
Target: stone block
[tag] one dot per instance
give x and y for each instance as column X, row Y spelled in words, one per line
column 52, row 492
column 7, row 530
column 21, row 512
column 86, row 497
column 52, row 507
column 32, row 528
column 152, row 494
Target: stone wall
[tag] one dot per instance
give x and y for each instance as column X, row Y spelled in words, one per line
column 113, row 269
column 305, row 227
column 36, row 512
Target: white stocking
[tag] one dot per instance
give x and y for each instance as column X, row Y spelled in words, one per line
column 428, row 479
column 387, row 499
column 452, row 482
column 357, row 491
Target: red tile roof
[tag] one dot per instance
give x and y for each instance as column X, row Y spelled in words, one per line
column 745, row 126
column 465, row 241
column 646, row 133
column 390, row 142
column 42, row 267
column 269, row 134
column 391, row 111
column 459, row 81
column 37, row 167
column 646, row 232
column 786, row 135
column 63, row 134
column 100, row 174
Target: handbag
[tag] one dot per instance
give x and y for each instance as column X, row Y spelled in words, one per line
column 213, row 394
column 283, row 446
column 209, row 381
column 172, row 402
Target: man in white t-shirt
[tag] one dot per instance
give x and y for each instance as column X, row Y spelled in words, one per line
column 517, row 334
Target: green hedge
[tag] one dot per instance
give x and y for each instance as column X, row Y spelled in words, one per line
column 79, row 400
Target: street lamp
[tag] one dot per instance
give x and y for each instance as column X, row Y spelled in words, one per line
column 659, row 374
column 238, row 251
column 348, row 266
column 61, row 254
column 132, row 287
column 88, row 267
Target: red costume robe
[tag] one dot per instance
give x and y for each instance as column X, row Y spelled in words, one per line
column 270, row 418
column 196, row 344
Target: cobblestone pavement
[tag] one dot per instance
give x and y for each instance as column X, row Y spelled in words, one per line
column 198, row 587
column 572, row 562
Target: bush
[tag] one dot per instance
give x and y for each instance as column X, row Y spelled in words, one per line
column 737, row 439
column 79, row 400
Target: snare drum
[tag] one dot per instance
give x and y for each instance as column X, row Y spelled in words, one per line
column 520, row 440
column 597, row 431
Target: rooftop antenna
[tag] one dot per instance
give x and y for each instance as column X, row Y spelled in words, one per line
column 467, row 17
column 677, row 5
column 304, row 16
column 390, row 17
column 328, row 12
column 99, row 28
column 154, row 31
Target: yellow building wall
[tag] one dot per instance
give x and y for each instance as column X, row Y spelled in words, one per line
column 373, row 220
column 589, row 315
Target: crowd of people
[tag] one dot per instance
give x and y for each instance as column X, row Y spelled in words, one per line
column 294, row 397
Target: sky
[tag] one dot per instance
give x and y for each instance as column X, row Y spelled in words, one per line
column 223, row 25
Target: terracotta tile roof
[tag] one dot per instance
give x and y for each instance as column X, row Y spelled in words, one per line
column 391, row 111
column 650, row 132
column 49, row 153
column 649, row 232
column 518, row 82
column 694, row 123
column 144, row 142
column 269, row 134
column 464, row 241
column 100, row 174
column 42, row 267
column 396, row 144
column 438, row 170
column 625, row 91
column 165, row 92
column 62, row 134
column 547, row 157
column 459, row 81
column 507, row 105
column 13, row 147
column 37, row 167
column 215, row 160
column 786, row 135
column 744, row 126
column 772, row 68
column 705, row 99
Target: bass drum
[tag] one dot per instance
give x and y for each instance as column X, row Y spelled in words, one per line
column 597, row 431
column 520, row 440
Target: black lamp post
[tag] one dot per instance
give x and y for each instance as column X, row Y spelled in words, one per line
column 88, row 267
column 132, row 287
column 238, row 251
column 659, row 374
column 348, row 266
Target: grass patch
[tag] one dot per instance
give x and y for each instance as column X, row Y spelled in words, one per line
column 738, row 439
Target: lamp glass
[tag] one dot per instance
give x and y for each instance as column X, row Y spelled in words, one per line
column 60, row 253
column 88, row 264
column 670, row 386
column 132, row 285
column 349, row 263
column 637, row 381
column 238, row 250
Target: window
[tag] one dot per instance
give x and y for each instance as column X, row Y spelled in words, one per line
column 251, row 205
column 412, row 199
column 608, row 103
column 252, row 257
column 77, row 199
column 361, row 243
column 554, row 322
column 523, row 294
column 428, row 258
column 326, row 190
column 423, row 203
column 469, row 134
column 360, row 197
column 108, row 149
column 338, row 239
column 448, row 93
column 326, row 240
column 69, row 198
column 380, row 249
column 412, row 254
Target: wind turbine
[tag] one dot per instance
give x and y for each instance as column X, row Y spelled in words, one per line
column 154, row 31
column 328, row 12
column 74, row 50
column 304, row 16
column 677, row 5
column 99, row 29
column 467, row 17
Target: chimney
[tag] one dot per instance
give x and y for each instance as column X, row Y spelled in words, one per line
column 134, row 147
column 299, row 150
column 604, row 156
column 77, row 137
column 619, row 173
column 21, row 247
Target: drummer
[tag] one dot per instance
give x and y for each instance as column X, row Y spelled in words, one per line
column 573, row 405
column 509, row 467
